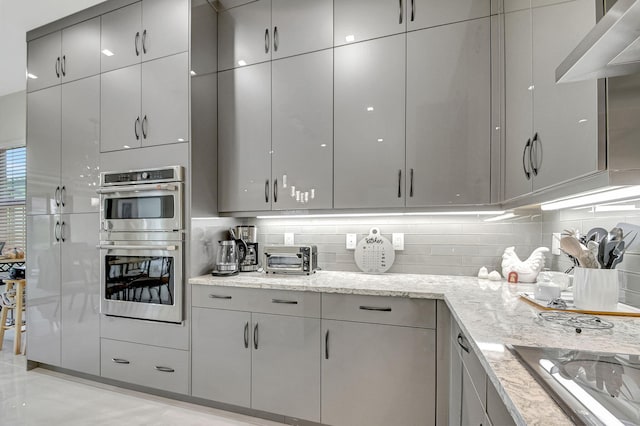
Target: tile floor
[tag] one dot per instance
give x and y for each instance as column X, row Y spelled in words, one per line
column 43, row 397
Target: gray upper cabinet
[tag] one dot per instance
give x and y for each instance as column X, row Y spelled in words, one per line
column 545, row 121
column 144, row 31
column 430, row 13
column 355, row 360
column 301, row 26
column 244, row 35
column 64, row 56
column 369, row 123
column 145, row 104
column 221, row 355
column 244, row 138
column 358, row 20
column 448, row 115
column 285, row 377
column 302, row 131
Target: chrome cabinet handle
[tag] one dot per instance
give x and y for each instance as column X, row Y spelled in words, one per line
column 62, row 231
column 527, row 173
column 55, row 231
column 104, row 246
column 58, row 67
column 255, row 336
column 120, row 361
column 399, row 182
column 413, row 10
column 266, row 40
column 461, row 343
column 400, row 12
column 411, row 184
column 246, row 335
column 56, row 196
column 326, row 345
column 275, row 39
column 63, row 193
column 135, row 43
column 136, row 124
column 266, row 191
column 63, row 65
column 275, row 190
column 217, row 296
column 144, row 41
column 533, row 155
column 164, row 369
column 376, row 308
column 284, row 301
column 144, row 127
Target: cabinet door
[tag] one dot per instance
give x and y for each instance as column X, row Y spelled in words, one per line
column 43, row 295
column 301, row 26
column 285, row 378
column 472, row 408
column 430, row 13
column 244, row 138
column 449, row 115
column 81, row 50
column 165, row 28
column 80, row 290
column 358, row 20
column 121, row 37
column 81, row 145
column 565, row 116
column 455, row 381
column 221, row 356
column 244, row 35
column 356, row 361
column 165, row 100
column 43, row 155
column 43, row 62
column 518, row 103
column 369, row 120
column 120, row 121
column 302, row 157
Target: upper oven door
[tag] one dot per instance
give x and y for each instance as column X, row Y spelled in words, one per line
column 146, row 207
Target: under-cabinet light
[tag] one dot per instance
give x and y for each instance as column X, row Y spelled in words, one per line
column 616, row 193
column 339, row 215
column 616, row 208
column 508, row 215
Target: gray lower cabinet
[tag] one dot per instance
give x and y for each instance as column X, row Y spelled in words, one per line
column 472, row 408
column 376, row 374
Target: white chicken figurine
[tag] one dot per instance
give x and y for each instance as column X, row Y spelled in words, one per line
column 527, row 270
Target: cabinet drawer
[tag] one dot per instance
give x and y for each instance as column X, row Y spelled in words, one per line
column 233, row 298
column 151, row 366
column 380, row 310
column 145, row 332
column 282, row 302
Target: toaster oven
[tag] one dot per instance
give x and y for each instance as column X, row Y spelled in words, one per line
column 290, row 259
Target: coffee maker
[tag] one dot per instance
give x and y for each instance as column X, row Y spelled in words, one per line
column 249, row 234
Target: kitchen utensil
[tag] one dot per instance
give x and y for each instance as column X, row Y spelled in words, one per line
column 616, row 255
column 570, row 245
column 592, row 254
column 596, row 234
column 608, row 251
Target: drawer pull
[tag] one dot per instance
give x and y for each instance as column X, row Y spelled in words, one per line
column 461, row 343
column 326, row 345
column 375, row 308
column 255, row 337
column 120, row 361
column 217, row 296
column 246, row 335
column 165, row 369
column 285, row 302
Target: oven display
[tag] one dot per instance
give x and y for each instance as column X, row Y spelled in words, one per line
column 141, row 279
column 155, row 207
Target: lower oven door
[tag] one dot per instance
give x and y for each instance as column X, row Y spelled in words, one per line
column 142, row 279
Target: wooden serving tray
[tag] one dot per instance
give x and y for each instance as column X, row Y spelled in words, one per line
column 622, row 311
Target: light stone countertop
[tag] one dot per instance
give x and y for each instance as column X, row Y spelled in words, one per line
column 489, row 313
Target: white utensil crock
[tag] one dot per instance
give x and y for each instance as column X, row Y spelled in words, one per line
column 595, row 289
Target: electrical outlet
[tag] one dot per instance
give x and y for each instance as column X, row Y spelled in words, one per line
column 398, row 240
column 288, row 239
column 352, row 241
column 555, row 243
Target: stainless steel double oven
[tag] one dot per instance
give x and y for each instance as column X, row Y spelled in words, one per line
column 142, row 243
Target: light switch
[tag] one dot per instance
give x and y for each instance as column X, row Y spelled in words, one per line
column 352, row 241
column 288, row 239
column 398, row 241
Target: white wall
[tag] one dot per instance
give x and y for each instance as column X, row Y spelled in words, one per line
column 13, row 111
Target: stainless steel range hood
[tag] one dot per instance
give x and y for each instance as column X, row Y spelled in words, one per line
column 611, row 48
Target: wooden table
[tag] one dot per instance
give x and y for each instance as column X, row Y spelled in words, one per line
column 17, row 343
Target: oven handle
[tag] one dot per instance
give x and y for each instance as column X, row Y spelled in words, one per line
column 107, row 246
column 137, row 188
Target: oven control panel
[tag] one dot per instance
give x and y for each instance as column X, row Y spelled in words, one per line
column 165, row 174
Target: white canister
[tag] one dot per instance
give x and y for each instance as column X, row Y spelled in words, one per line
column 595, row 289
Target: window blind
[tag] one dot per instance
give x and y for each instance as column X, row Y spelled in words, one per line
column 13, row 176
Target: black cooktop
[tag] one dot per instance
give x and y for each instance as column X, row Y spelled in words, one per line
column 593, row 388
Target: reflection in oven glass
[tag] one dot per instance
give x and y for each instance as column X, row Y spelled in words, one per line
column 143, row 279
